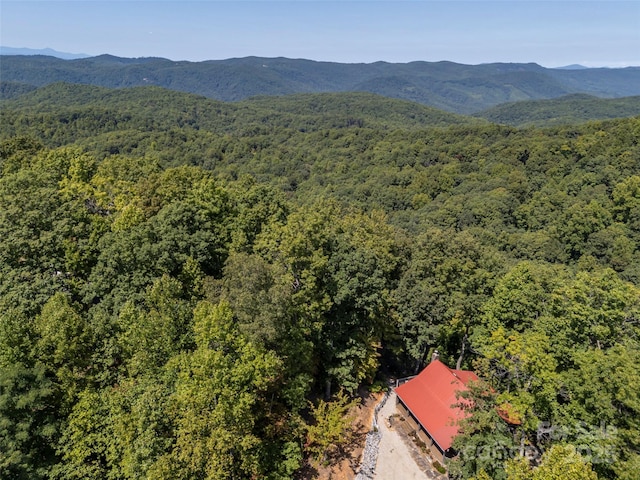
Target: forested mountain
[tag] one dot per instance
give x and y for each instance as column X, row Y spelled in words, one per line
column 446, row 85
column 564, row 110
column 183, row 280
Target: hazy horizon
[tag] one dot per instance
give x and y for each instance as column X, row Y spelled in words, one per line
column 553, row 34
column 77, row 56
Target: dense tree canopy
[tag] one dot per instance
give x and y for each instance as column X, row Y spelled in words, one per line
column 178, row 283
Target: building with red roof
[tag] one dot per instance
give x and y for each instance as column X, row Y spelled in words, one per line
column 428, row 401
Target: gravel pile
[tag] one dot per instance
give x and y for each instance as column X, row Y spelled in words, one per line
column 370, row 454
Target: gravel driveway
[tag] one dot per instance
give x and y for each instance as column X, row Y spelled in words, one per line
column 398, row 457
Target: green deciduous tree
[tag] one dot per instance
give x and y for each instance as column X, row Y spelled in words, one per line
column 597, row 309
column 29, row 422
column 160, row 328
column 330, row 427
column 440, row 293
column 63, row 344
column 484, row 441
column 221, row 399
column 561, row 462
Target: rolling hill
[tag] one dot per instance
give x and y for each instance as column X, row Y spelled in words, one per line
column 160, row 108
column 561, row 111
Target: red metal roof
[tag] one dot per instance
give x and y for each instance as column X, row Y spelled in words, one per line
column 430, row 397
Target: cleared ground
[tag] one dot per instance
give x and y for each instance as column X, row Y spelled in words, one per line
column 398, row 457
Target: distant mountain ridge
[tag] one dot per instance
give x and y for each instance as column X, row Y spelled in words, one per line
column 41, row 51
column 445, row 85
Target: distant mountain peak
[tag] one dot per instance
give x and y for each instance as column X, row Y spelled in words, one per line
column 573, row 66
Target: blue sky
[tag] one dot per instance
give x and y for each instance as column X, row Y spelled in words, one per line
column 551, row 33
